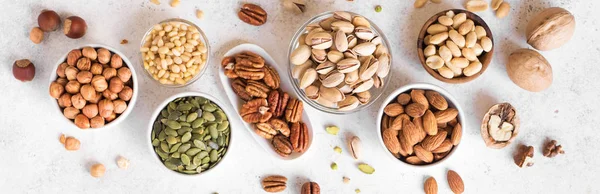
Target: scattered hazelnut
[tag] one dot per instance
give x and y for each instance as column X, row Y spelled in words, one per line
column 62, row 81
column 48, row 20
column 90, row 110
column 103, row 56
column 97, row 99
column 62, row 139
column 73, row 87
column 110, row 118
column 116, row 61
column 120, row 106
column 96, row 69
column 89, row 52
column 116, row 85
column 88, row 92
column 78, row 101
column 71, row 72
column 23, row 70
column 64, row 100
column 126, row 93
column 84, row 77
column 106, row 107
column 60, row 71
column 74, row 27
column 109, row 73
column 71, row 112
column 551, row 149
column 72, row 144
column 99, row 83
column 110, row 95
column 97, row 122
column 56, row 90
column 124, row 73
column 122, row 162
column 73, row 56
column 525, row 157
column 84, row 64
column 82, row 121
column 36, row 35
column 97, row 170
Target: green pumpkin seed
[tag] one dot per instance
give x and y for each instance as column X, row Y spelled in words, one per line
column 205, row 160
column 164, row 113
column 164, row 121
column 191, row 117
column 219, row 116
column 174, row 148
column 185, row 124
column 365, row 168
column 171, row 140
column 185, row 159
column 164, row 147
column 198, row 122
column 198, row 130
column 214, row 134
column 172, row 105
column 180, row 168
column 193, row 151
column 182, row 118
column 176, row 155
column 197, row 160
column 204, row 166
column 199, row 144
column 161, row 154
column 155, row 142
column 171, row 132
column 173, row 124
column 202, row 100
column 214, row 155
column 220, row 140
column 186, row 137
column 199, row 170
column 191, row 167
column 206, row 138
column 184, row 147
column 224, row 125
column 184, row 107
column 189, row 171
column 195, row 103
column 170, row 165
column 162, row 135
column 209, row 107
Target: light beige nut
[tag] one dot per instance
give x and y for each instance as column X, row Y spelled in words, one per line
column 439, row 38
column 364, row 49
column 458, row 19
column 460, row 62
column 503, row 10
column 420, row 3
column 360, row 21
column 436, row 29
column 470, row 39
column 473, row 68
column 469, row 54
column 300, row 55
column 368, row 68
column 348, row 65
column 486, row 44
column 344, row 26
column 298, row 70
column 364, row 33
column 333, row 79
column 480, row 31
column 333, row 95
column 308, row 78
column 341, row 41
column 426, row 39
column 384, row 65
column 445, row 53
column 466, row 27
column 363, row 86
column 457, row 71
column 458, row 39
column 321, row 40
column 476, row 5
column 453, row 48
column 350, row 103
column 429, row 50
column 325, row 68
column 496, row 4
column 550, row 29
column 335, row 56
column 477, row 49
column 446, row 72
column 445, row 20
column 434, row 62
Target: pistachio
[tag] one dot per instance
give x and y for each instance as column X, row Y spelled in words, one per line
column 368, row 68
column 352, row 41
column 298, row 70
column 297, row 6
column 321, row 40
column 352, row 77
column 365, row 49
column 331, row 94
column 341, row 41
column 325, row 68
column 365, row 168
column 360, row 21
column 376, row 40
column 348, row 65
column 312, row 92
column 384, row 65
column 333, row 79
column 346, row 89
column 326, row 23
column 335, row 56
column 364, row 33
column 333, row 130
column 319, row 55
column 377, row 81
column 300, row 55
column 350, row 103
column 354, row 145
column 350, row 54
column 364, row 97
column 363, row 86
column 309, row 76
column 341, row 15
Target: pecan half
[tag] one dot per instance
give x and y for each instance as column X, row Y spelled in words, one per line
column 310, row 188
column 239, row 87
column 265, row 130
column 253, row 14
column 257, row 89
column 274, row 183
column 299, row 137
column 250, row 73
column 271, row 77
column 281, row 126
column 250, row 59
column 277, row 102
column 256, row 111
column 228, row 64
column 293, row 112
column 282, row 145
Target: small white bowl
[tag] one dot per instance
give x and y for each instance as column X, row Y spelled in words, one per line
column 162, row 105
column 424, row 86
column 130, row 105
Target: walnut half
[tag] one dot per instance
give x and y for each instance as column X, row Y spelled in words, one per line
column 500, row 126
column 525, row 157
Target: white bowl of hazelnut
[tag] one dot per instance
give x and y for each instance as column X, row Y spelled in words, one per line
column 94, row 86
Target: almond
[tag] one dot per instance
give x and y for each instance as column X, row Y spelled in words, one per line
column 430, row 143
column 402, row 151
column 405, row 145
column 385, row 123
column 453, row 122
column 416, row 110
column 444, row 116
column 419, row 125
column 390, row 139
column 414, row 160
column 411, row 133
column 418, row 96
column 397, row 122
column 456, row 134
column 393, row 109
column 423, row 154
column 430, row 123
column 403, row 99
column 430, row 186
column 440, row 156
column 436, row 100
column 455, row 182
column 444, row 147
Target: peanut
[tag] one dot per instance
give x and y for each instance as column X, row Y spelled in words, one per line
column 445, row 20
column 486, row 44
column 454, row 48
column 473, row 68
column 435, row 62
column 496, row 4
column 458, row 39
column 460, row 62
column 503, row 10
column 457, row 71
column 436, row 29
column 480, row 31
column 429, row 50
column 471, row 39
column 420, row 3
column 476, row 5
column 445, row 53
column 446, row 72
column 469, row 54
column 466, row 27
column 458, row 19
column 439, row 38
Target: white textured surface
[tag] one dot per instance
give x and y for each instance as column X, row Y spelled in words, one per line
column 33, row 161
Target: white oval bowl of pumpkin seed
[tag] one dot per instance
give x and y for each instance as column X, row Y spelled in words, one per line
column 189, row 133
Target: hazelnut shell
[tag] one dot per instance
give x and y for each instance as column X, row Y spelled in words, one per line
column 82, row 121
column 24, row 70
column 487, row 138
column 48, row 20
column 74, row 27
column 529, row 70
column 550, row 29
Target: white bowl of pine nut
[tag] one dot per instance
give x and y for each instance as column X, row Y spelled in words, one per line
column 174, row 52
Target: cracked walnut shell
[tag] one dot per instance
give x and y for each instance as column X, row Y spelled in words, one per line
column 500, row 126
column 256, row 111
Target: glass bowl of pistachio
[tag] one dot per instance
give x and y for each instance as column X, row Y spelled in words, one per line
column 174, row 52
column 189, row 133
column 339, row 62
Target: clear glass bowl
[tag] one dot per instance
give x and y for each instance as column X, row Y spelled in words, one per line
column 375, row 92
column 204, row 41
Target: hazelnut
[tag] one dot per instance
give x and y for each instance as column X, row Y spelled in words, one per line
column 97, row 122
column 97, row 170
column 71, row 72
column 74, row 27
column 110, row 118
column 116, row 85
column 99, row 83
column 73, row 56
column 72, row 144
column 90, row 110
column 70, row 112
column 116, row 61
column 106, row 107
column 56, row 90
column 124, row 73
column 89, row 52
column 126, row 93
column 78, row 101
column 64, row 100
column 62, row 81
column 84, row 77
column 36, row 35
column 48, row 20
column 97, row 99
column 96, row 69
column 109, row 73
column 82, row 121
column 60, row 71
column 110, row 95
column 73, row 87
column 103, row 56
column 23, row 70
column 84, row 64
column 88, row 92
column 120, row 106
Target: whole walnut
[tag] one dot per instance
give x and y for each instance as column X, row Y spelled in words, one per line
column 550, row 29
column 529, row 70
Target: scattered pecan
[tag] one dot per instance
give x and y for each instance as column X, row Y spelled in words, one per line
column 253, row 14
column 310, row 188
column 274, row 183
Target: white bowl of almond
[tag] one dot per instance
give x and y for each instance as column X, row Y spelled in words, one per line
column 420, row 124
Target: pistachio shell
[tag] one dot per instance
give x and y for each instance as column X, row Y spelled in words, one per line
column 312, row 92
column 360, row 21
column 348, row 65
column 325, row 67
column 363, row 86
column 331, row 94
column 364, row 33
column 335, row 56
column 300, row 55
column 308, row 78
column 343, row 26
column 333, row 79
column 384, row 65
column 352, row 77
column 368, row 68
column 350, row 103
column 342, row 15
column 298, row 70
column 321, row 40
column 341, row 41
column 365, row 49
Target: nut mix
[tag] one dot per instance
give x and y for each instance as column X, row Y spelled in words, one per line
column 80, row 93
column 339, row 60
column 454, row 45
column 174, row 52
column 275, row 115
column 422, row 131
column 500, row 126
column 191, row 135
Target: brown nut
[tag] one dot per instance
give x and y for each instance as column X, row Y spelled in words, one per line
column 116, row 61
column 109, row 73
column 97, row 122
column 82, row 121
column 88, row 92
column 257, row 89
column 71, row 72
column 110, row 118
column 272, row 77
column 48, row 20
column 73, row 57
column 280, row 126
column 103, row 55
column 62, row 81
column 97, row 170
column 293, row 111
column 23, row 70
column 84, row 77
column 116, row 85
column 56, row 90
column 256, row 111
column 529, row 70
column 120, row 106
column 252, row 14
column 78, row 101
column 500, row 125
column 126, row 94
column 239, row 87
column 124, row 74
column 72, row 144
column 96, row 69
column 64, row 100
column 265, row 130
column 106, row 108
column 550, row 29
column 551, row 149
column 282, row 145
column 524, row 157
column 71, row 112
column 73, row 87
column 278, row 103
column 299, row 137
column 90, row 53
column 60, row 71
column 97, row 99
column 110, row 95
column 84, row 64
column 274, row 183
column 99, row 83
column 74, row 27
column 36, row 35
column 90, row 110
column 311, row 188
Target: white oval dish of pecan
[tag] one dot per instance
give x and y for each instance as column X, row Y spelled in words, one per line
column 266, row 104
